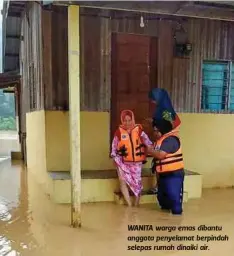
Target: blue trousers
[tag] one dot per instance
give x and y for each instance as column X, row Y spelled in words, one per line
column 170, row 192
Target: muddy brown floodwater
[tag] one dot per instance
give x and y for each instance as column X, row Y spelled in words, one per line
column 30, row 224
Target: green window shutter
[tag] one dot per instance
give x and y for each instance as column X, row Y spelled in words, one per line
column 232, row 88
column 214, row 85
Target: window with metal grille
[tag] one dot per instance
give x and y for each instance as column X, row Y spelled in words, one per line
column 217, row 86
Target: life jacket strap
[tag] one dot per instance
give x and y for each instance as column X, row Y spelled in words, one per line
column 122, row 151
column 169, row 162
column 139, row 148
column 177, row 155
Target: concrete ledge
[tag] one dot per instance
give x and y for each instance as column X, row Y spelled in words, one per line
column 193, row 185
column 100, row 186
column 16, row 155
column 102, row 174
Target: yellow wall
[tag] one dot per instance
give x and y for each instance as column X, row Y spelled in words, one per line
column 94, row 141
column 57, row 141
column 36, row 145
column 207, row 143
column 208, row 146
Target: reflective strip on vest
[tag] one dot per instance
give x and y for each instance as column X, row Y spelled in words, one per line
column 172, row 162
column 134, row 148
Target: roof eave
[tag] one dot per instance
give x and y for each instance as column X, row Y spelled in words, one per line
column 11, row 10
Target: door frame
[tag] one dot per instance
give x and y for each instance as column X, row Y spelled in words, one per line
column 153, row 51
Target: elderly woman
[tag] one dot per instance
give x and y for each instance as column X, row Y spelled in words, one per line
column 128, row 153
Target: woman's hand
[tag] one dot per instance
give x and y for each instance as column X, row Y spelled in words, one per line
column 150, row 149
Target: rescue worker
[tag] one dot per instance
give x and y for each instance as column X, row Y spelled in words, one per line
column 129, row 154
column 162, row 109
column 169, row 166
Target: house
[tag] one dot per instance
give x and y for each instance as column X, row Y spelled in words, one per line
column 110, row 54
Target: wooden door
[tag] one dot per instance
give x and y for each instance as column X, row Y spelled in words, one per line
column 134, row 73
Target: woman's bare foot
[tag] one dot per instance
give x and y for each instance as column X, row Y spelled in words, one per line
column 125, row 192
column 129, row 203
column 137, row 201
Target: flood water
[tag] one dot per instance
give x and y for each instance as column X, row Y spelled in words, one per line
column 30, row 224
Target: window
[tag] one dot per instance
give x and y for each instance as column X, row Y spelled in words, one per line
column 217, row 86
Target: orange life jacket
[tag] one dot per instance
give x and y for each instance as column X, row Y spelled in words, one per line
column 130, row 146
column 172, row 162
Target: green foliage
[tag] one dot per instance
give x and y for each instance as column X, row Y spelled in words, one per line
column 7, row 124
column 7, row 112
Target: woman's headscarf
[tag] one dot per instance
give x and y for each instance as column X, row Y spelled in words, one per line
column 164, row 108
column 125, row 113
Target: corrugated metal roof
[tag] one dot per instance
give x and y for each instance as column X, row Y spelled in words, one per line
column 13, row 26
column 12, row 47
column 222, row 4
column 195, row 9
column 12, row 11
column 11, row 34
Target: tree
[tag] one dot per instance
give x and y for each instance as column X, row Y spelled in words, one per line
column 7, row 111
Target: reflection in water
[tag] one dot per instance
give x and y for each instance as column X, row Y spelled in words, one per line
column 5, row 246
column 14, row 213
column 4, row 213
column 32, row 225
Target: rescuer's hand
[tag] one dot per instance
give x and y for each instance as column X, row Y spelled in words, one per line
column 159, row 154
